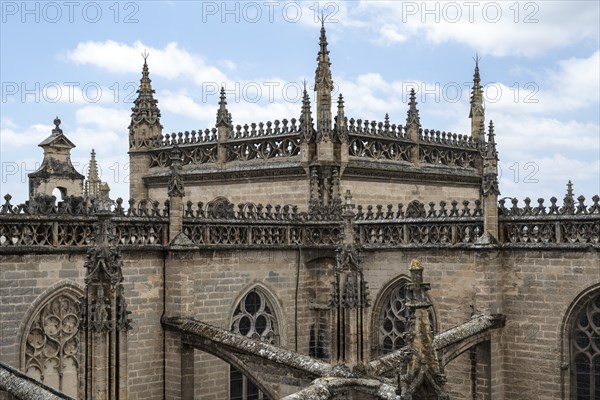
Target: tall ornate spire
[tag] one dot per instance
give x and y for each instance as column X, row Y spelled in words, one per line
column 92, row 184
column 476, row 113
column 223, row 114
column 412, row 117
column 144, row 111
column 323, row 88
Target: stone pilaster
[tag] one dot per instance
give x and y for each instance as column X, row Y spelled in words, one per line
column 104, row 319
column 489, row 185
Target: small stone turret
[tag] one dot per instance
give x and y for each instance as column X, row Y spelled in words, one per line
column 56, row 170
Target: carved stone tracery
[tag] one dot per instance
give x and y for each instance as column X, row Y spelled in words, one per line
column 51, row 343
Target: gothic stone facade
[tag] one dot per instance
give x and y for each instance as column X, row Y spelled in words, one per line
column 271, row 260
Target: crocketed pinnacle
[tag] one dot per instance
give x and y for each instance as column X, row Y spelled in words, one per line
column 476, row 93
column 492, row 153
column 145, row 106
column 323, row 88
column 412, row 117
column 323, row 78
column 92, row 184
column 476, row 111
column 306, row 117
column 223, row 115
column 340, row 111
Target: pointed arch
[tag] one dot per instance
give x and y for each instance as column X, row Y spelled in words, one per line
column 580, row 350
column 256, row 313
column 389, row 317
column 49, row 336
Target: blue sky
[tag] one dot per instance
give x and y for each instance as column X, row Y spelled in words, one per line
column 82, row 61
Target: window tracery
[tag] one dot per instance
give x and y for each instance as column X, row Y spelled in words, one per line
column 392, row 326
column 392, row 317
column 51, row 344
column 254, row 318
column 585, row 351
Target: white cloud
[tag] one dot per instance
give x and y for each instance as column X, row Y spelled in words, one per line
column 112, row 119
column 171, row 62
column 490, row 27
column 14, row 137
column 544, row 177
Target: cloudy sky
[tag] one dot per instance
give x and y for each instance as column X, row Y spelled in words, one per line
column 82, row 61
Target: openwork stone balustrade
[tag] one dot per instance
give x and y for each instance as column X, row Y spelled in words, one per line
column 145, row 224
column 369, row 140
column 573, row 223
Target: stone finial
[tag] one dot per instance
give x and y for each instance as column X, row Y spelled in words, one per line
column 417, row 290
column 412, row 117
column 416, row 264
column 57, row 129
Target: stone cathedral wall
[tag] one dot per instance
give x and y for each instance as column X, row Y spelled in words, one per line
column 533, row 288
column 27, row 279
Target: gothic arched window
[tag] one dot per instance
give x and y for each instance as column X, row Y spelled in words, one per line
column 391, row 316
column 392, row 320
column 253, row 317
column 50, row 349
column 585, row 351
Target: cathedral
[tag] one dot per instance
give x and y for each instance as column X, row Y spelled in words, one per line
column 317, row 257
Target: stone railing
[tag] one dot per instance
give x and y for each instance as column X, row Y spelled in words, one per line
column 71, row 223
column 419, row 226
column 450, row 149
column 369, row 140
column 269, row 129
column 377, row 140
column 574, row 223
column 262, row 148
column 219, row 223
column 256, row 141
column 385, row 141
column 374, row 128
